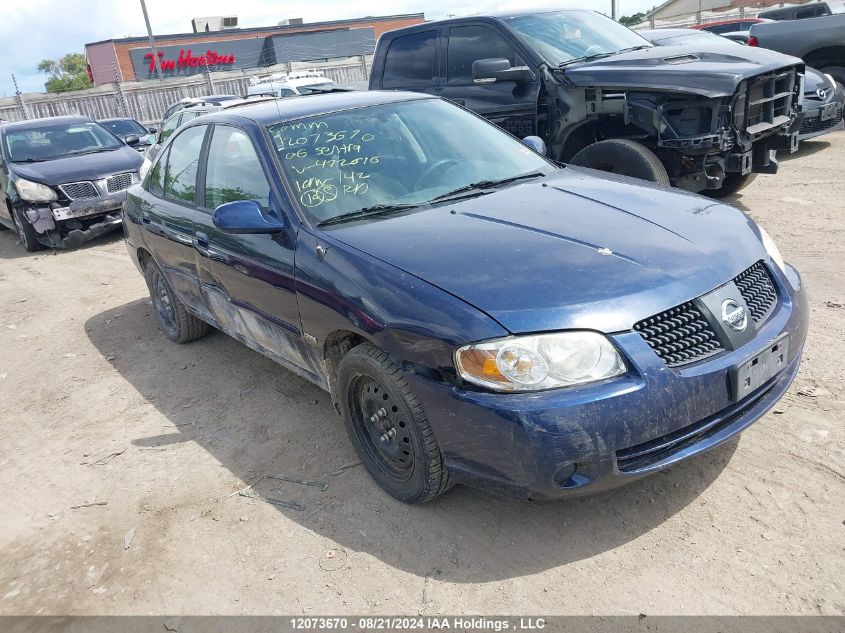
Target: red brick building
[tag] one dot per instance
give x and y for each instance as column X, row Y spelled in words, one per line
column 188, row 53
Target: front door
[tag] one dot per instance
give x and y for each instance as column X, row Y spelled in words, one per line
column 510, row 105
column 248, row 280
column 167, row 208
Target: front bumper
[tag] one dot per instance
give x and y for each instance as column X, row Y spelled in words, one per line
column 811, row 124
column 567, row 442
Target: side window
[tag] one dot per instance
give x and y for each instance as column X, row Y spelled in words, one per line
column 233, row 171
column 168, row 128
column 155, row 181
column 470, row 43
column 286, row 92
column 180, row 177
column 410, row 60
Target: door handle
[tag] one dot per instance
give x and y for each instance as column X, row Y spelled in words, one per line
column 201, row 242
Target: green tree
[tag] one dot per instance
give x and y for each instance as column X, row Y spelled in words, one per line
column 69, row 73
column 631, row 20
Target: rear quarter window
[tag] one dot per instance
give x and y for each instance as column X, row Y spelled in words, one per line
column 410, row 60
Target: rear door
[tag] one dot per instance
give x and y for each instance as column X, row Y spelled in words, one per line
column 248, row 280
column 167, row 208
column 510, row 105
column 411, row 63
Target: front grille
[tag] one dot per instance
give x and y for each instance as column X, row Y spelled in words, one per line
column 815, row 124
column 756, row 287
column 769, row 101
column 118, row 182
column 77, row 190
column 680, row 335
column 646, row 454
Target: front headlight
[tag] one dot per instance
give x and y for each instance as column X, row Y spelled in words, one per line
column 34, row 191
column 542, row 361
column 771, row 248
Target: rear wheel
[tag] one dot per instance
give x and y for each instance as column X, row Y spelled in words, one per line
column 26, row 232
column 388, row 427
column 179, row 325
column 730, row 185
column 623, row 157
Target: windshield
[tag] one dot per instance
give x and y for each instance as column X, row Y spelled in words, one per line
column 565, row 36
column 405, row 153
column 125, row 127
column 49, row 141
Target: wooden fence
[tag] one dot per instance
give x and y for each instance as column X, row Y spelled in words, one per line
column 146, row 101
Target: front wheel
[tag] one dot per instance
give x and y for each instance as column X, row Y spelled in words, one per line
column 26, row 232
column 388, row 427
column 624, row 157
column 179, row 325
column 731, row 183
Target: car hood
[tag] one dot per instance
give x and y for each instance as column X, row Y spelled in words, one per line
column 573, row 250
column 77, row 168
column 712, row 70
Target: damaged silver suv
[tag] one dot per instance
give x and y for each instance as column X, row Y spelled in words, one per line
column 63, row 180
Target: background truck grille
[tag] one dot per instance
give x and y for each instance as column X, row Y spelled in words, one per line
column 680, row 335
column 118, row 182
column 769, row 101
column 76, row 190
column 756, row 287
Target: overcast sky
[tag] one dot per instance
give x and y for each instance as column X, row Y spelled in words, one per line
column 32, row 30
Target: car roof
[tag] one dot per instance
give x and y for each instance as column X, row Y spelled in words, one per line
column 34, row 124
column 274, row 110
column 116, row 118
column 667, row 33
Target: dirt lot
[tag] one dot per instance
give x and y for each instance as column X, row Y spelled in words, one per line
column 121, row 457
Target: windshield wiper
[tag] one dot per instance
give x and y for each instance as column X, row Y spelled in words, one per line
column 94, row 151
column 589, row 58
column 479, row 186
column 367, row 212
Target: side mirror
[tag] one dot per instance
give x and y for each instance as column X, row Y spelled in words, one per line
column 245, row 216
column 152, row 129
column 535, row 143
column 132, row 139
column 487, row 71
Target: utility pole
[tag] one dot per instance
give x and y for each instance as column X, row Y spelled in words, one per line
column 19, row 97
column 614, row 9
column 156, row 64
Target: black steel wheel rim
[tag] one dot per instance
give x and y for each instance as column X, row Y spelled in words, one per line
column 381, row 428
column 163, row 302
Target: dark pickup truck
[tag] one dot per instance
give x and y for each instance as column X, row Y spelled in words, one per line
column 820, row 42
column 601, row 96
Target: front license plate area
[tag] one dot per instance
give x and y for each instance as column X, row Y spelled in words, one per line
column 753, row 373
column 828, row 111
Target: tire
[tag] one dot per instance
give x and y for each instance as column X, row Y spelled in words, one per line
column 623, row 157
column 730, row 185
column 179, row 325
column 388, row 427
column 26, row 233
column 837, row 72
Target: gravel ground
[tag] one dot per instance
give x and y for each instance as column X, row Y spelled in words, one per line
column 121, row 458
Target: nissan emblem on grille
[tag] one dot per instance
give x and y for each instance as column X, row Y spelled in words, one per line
column 734, row 315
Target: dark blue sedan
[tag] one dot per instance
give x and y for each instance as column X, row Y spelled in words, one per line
column 477, row 313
